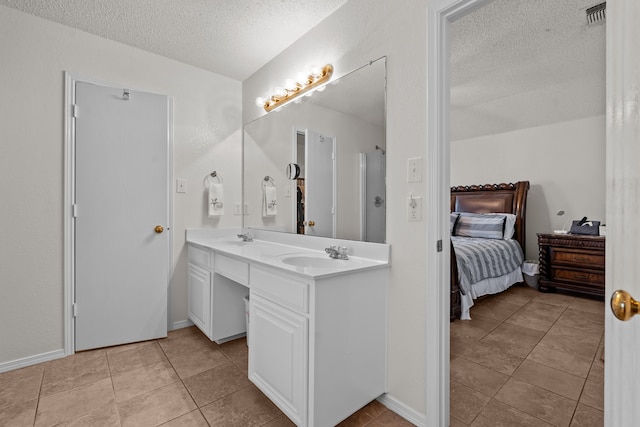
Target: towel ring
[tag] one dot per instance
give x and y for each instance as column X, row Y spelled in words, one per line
column 214, row 175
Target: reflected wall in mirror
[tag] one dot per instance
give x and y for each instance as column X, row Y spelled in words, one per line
column 334, row 141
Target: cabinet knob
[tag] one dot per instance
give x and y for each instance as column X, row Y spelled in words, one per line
column 623, row 305
column 159, row 229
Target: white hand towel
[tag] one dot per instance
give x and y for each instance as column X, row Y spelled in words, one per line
column 270, row 201
column 216, row 199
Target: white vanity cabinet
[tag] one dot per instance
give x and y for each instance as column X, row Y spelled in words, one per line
column 318, row 347
column 216, row 286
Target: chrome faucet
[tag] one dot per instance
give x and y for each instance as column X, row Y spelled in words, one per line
column 246, row 237
column 337, row 252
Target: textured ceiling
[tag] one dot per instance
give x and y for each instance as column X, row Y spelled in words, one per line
column 523, row 63
column 229, row 37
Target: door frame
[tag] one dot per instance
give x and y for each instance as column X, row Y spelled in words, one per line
column 70, row 80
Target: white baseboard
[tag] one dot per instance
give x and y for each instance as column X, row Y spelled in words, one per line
column 181, row 324
column 403, row 410
column 31, row 360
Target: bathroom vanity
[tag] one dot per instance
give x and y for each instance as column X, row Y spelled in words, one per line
column 317, row 325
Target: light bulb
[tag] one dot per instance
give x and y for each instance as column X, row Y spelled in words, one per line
column 260, row 101
column 289, row 84
column 279, row 91
column 315, row 71
column 321, row 88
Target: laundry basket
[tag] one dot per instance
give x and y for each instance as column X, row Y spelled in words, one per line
column 531, row 273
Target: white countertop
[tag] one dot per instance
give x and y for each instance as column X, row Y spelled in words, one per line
column 283, row 256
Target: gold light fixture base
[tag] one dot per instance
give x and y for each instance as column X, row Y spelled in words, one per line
column 299, row 88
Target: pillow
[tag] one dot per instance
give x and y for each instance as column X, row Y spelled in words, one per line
column 509, row 226
column 486, row 226
column 453, row 217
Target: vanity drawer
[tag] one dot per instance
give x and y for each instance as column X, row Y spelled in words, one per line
column 235, row 270
column 199, row 257
column 282, row 290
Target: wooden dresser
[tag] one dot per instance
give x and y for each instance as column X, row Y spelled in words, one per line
column 572, row 262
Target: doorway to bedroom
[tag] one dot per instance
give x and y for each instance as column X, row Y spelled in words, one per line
column 527, row 94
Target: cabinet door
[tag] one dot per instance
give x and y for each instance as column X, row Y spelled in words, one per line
column 278, row 356
column 199, row 298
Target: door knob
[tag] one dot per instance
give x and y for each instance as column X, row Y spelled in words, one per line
column 312, row 223
column 159, row 229
column 623, row 305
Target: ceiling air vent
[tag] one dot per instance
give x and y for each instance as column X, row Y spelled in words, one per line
column 596, row 14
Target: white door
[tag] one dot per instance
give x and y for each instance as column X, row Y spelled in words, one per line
column 319, row 201
column 622, row 339
column 121, row 194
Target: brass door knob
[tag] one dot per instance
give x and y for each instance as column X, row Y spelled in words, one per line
column 623, row 305
column 312, row 223
column 159, row 229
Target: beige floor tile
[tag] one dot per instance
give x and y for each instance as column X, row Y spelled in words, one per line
column 364, row 415
column 495, row 309
column 551, row 379
column 81, row 368
column 518, row 295
column 216, row 383
column 191, row 419
column 156, row 407
column 246, row 407
column 554, row 299
column 126, row 347
column 593, row 394
column 454, row 422
column 570, row 363
column 513, row 339
column 477, row 377
column 140, row 355
column 281, row 421
column 537, row 316
column 21, row 414
column 466, row 403
column 596, row 373
column 571, row 340
column 198, row 361
column 491, row 356
column 22, row 373
column 238, row 352
column 141, row 380
column 180, row 345
column 75, row 403
column 497, row 414
column 106, row 416
column 537, row 402
column 587, row 416
column 20, row 387
column 592, row 323
column 390, row 419
column 588, row 305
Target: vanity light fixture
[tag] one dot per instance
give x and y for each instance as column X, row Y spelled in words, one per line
column 292, row 89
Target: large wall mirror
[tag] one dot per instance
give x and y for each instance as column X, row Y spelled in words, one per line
column 317, row 165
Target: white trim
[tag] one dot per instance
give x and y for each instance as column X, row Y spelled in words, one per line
column 180, row 324
column 69, row 198
column 403, row 410
column 439, row 17
column 32, row 360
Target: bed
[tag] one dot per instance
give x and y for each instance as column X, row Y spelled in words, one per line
column 476, row 210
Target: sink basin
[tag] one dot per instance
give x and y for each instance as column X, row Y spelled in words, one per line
column 314, row 261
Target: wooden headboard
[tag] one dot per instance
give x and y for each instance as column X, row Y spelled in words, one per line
column 498, row 198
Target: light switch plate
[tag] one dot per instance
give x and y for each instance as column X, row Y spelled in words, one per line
column 181, row 185
column 414, row 169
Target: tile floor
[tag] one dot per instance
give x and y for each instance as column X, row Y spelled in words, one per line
column 528, row 359
column 183, row 380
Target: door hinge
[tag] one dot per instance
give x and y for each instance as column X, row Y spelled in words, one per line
column 75, row 210
column 75, row 111
column 439, row 245
column 74, row 309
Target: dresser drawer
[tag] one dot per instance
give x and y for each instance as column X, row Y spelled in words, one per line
column 235, row 270
column 586, row 277
column 579, row 259
column 199, row 257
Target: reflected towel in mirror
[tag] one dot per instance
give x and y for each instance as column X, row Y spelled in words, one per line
column 270, row 201
column 216, row 200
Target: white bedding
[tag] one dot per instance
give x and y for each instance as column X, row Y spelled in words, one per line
column 489, row 286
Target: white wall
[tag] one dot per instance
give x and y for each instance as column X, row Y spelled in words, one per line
column 360, row 31
column 207, row 136
column 563, row 162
